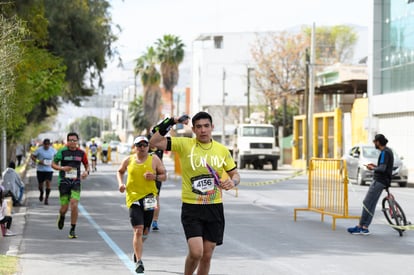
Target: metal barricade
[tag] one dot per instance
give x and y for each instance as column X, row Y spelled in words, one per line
column 328, row 189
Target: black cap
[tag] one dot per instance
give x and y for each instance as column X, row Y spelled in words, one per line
column 381, row 139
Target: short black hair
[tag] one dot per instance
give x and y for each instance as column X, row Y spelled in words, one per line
column 12, row 164
column 201, row 115
column 72, row 134
column 381, row 139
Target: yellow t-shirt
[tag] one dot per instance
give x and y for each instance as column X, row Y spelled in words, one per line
column 197, row 183
column 137, row 187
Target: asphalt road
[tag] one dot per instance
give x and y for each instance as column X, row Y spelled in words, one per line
column 261, row 236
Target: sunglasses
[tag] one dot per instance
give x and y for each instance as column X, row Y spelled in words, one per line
column 143, row 144
column 72, row 140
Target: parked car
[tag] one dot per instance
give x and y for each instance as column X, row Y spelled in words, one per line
column 362, row 154
column 124, row 148
column 114, row 145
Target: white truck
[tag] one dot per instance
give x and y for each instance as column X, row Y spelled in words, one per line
column 255, row 144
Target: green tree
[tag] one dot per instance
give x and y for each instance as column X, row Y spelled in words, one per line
column 136, row 113
column 334, row 44
column 87, row 127
column 65, row 47
column 170, row 51
column 80, row 32
column 150, row 79
column 77, row 31
column 11, row 34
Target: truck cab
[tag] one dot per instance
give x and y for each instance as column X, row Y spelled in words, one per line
column 255, row 144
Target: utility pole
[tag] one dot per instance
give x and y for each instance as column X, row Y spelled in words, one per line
column 306, row 99
column 248, row 91
column 311, row 94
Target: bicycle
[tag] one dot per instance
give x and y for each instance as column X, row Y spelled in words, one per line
column 394, row 213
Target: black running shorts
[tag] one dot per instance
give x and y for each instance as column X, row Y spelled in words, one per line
column 138, row 216
column 43, row 176
column 203, row 220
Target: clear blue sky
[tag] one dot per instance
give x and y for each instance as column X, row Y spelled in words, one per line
column 144, row 21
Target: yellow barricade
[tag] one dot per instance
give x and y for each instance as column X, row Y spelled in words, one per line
column 328, row 189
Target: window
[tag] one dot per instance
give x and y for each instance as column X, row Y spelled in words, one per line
column 218, row 42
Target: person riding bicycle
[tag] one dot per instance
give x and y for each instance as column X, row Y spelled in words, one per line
column 93, row 148
column 381, row 179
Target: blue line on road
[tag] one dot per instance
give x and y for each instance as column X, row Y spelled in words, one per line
column 118, row 251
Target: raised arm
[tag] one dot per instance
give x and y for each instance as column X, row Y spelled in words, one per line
column 159, row 131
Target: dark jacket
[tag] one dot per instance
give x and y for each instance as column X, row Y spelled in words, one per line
column 383, row 171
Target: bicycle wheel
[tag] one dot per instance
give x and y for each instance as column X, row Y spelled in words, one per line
column 394, row 214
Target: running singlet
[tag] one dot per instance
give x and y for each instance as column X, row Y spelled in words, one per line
column 137, row 187
column 94, row 149
column 73, row 159
column 198, row 184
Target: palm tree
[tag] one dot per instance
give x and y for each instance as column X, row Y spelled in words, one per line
column 136, row 113
column 170, row 51
column 150, row 79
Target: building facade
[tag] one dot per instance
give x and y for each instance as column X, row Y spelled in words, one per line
column 391, row 83
column 221, row 79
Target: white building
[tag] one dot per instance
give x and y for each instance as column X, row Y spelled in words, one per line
column 391, row 82
column 221, row 63
column 120, row 118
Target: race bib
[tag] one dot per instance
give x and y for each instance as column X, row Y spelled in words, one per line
column 72, row 174
column 47, row 162
column 203, row 184
column 150, row 203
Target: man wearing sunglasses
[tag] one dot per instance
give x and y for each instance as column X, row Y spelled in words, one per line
column 68, row 162
column 144, row 170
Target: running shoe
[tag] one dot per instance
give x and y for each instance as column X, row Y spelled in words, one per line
column 72, row 234
column 41, row 196
column 155, row 225
column 60, row 221
column 139, row 267
column 9, row 233
column 358, row 230
column 46, row 201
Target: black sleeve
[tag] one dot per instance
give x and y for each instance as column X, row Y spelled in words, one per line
column 168, row 148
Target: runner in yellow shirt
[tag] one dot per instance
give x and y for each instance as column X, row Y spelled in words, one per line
column 203, row 163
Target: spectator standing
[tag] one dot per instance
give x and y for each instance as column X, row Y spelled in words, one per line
column 5, row 218
column 68, row 162
column 203, row 161
column 19, row 154
column 13, row 185
column 143, row 171
column 43, row 157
